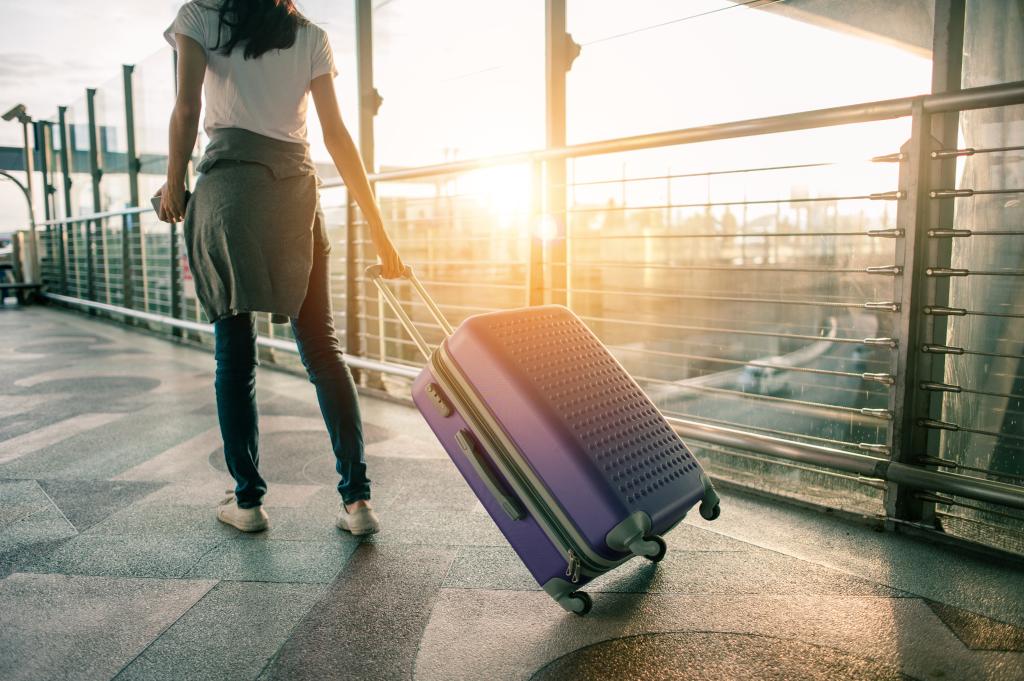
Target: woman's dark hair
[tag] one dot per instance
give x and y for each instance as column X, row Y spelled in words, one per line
column 262, row 25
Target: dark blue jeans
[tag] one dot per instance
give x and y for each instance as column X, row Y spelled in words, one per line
column 321, row 354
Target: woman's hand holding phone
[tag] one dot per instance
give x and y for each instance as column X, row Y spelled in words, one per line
column 169, row 203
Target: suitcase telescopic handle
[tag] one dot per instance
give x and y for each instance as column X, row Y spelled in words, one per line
column 374, row 272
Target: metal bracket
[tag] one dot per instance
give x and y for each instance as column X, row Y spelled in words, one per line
column 946, row 272
column 572, row 50
column 372, row 100
column 943, row 311
column 935, row 386
column 888, row 196
column 948, row 233
column 886, row 233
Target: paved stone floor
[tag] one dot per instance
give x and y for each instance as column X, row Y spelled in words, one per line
column 112, row 564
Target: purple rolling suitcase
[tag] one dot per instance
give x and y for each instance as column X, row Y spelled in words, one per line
column 574, row 463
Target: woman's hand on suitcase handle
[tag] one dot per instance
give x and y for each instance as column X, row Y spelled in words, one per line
column 392, row 266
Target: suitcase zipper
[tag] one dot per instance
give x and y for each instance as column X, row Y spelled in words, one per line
column 576, row 559
column 573, row 569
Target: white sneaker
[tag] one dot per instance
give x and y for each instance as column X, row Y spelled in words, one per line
column 244, row 519
column 362, row 521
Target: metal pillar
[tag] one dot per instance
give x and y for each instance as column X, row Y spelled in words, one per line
column 67, row 247
column 43, row 138
column 918, row 395
column 352, row 344
column 369, row 103
column 535, row 266
column 43, row 142
column 131, row 227
column 369, row 98
column 95, row 172
column 175, row 269
column 33, row 241
column 559, row 52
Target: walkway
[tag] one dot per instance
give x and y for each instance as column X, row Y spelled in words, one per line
column 113, row 565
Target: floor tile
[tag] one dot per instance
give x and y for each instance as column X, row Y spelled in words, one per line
column 86, row 502
column 369, row 622
column 898, row 633
column 978, row 632
column 215, row 639
column 59, row 627
column 276, row 561
column 138, row 556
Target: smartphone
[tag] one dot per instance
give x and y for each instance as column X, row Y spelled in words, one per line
column 155, row 200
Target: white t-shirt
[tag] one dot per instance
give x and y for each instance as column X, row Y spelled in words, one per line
column 267, row 95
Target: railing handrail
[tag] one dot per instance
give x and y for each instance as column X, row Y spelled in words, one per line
column 1000, row 94
column 130, row 210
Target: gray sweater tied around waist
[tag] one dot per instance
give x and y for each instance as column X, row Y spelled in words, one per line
column 252, row 224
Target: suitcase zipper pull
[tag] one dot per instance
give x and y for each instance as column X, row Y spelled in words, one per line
column 573, row 569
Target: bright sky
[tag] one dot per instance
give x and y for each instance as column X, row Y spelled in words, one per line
column 463, row 78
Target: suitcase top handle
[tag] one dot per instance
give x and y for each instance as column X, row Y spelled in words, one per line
column 374, row 273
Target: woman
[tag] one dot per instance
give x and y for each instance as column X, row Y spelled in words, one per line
column 254, row 229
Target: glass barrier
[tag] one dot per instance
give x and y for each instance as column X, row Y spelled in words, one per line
column 751, row 283
column 51, row 241
column 668, row 65
column 78, row 234
column 741, row 284
column 112, row 140
column 454, row 92
column 338, row 19
column 468, row 238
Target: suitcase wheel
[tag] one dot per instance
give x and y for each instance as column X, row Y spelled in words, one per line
column 662, row 548
column 709, row 512
column 579, row 603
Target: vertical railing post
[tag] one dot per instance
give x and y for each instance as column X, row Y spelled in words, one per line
column 67, row 245
column 536, row 264
column 906, row 440
column 30, row 273
column 369, row 103
column 369, row 98
column 559, row 52
column 174, row 277
column 352, row 341
column 45, row 167
column 42, row 134
column 131, row 230
column 95, row 172
column 918, row 214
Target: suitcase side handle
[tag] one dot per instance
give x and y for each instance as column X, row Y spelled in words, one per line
column 374, row 273
column 483, row 467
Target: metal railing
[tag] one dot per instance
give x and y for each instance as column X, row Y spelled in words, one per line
column 834, row 340
column 801, row 332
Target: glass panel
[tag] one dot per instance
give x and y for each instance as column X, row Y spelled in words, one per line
column 153, row 99
column 989, row 411
column 468, row 238
column 338, row 19
column 112, row 136
column 460, row 79
column 666, row 65
column 732, row 280
column 50, row 241
column 153, row 93
column 77, row 121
